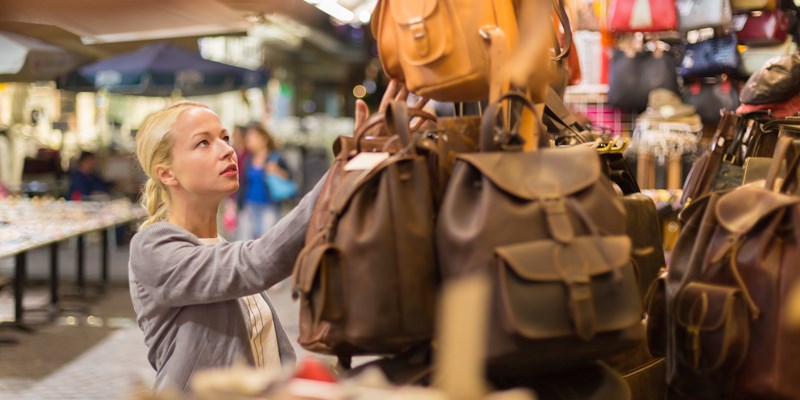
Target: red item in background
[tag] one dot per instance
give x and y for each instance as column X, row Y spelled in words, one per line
column 783, row 109
column 314, row 370
column 762, row 27
column 643, row 16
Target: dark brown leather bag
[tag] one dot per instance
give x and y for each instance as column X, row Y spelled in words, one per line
column 367, row 276
column 701, row 177
column 551, row 230
column 727, row 287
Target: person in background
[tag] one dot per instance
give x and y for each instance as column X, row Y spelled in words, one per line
column 238, row 141
column 258, row 212
column 84, row 181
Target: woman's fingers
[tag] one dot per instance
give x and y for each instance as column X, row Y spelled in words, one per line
column 362, row 112
column 388, row 95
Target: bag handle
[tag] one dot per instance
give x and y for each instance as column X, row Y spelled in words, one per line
column 397, row 120
column 561, row 116
column 782, row 154
column 489, row 120
column 379, row 118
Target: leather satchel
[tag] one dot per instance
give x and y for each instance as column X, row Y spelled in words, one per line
column 367, row 276
column 759, row 28
column 698, row 14
column 711, row 57
column 727, row 290
column 628, row 88
column 700, row 179
column 549, row 228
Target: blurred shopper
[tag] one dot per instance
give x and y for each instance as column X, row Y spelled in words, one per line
column 84, row 181
column 200, row 301
column 259, row 211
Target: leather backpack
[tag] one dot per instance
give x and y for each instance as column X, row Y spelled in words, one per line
column 549, row 228
column 727, row 291
column 367, row 276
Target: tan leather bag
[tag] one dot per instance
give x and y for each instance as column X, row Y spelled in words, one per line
column 551, row 230
column 727, row 291
column 367, row 275
column 436, row 47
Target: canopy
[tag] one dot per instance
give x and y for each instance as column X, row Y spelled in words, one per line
column 26, row 59
column 159, row 69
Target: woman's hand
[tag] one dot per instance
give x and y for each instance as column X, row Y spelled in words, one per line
column 395, row 91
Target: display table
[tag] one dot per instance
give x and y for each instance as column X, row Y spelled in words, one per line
column 27, row 225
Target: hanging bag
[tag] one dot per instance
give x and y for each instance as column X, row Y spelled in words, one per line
column 699, row 14
column 642, row 16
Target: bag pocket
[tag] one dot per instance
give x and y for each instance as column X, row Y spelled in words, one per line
column 551, row 290
column 424, row 33
column 713, row 327
column 318, row 285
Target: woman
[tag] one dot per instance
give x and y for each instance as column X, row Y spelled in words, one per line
column 259, row 211
column 200, row 301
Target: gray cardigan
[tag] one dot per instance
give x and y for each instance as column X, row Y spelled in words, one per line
column 184, row 293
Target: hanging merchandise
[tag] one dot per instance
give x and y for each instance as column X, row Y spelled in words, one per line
column 642, row 16
column 711, row 57
column 709, row 96
column 698, row 14
column 704, row 171
column 554, row 241
column 755, row 58
column 372, row 207
column 782, row 109
column 590, row 55
column 727, row 291
column 629, row 87
column 759, row 28
column 748, row 5
column 777, row 81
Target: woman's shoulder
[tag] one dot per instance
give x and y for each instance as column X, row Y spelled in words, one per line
column 158, row 234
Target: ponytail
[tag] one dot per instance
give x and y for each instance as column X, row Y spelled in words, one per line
column 155, row 199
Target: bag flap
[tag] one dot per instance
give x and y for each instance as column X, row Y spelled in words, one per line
column 547, row 260
column 308, row 265
column 705, row 307
column 533, row 175
column 407, row 11
column 740, row 210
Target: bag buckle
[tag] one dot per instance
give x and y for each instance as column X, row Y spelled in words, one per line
column 581, row 307
column 555, row 210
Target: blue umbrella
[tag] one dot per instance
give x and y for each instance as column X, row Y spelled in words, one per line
column 159, row 69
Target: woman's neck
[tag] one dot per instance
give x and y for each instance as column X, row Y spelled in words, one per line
column 199, row 218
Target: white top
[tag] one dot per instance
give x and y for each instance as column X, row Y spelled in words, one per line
column 260, row 326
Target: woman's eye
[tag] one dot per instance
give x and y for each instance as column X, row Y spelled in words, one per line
column 202, row 143
column 227, row 139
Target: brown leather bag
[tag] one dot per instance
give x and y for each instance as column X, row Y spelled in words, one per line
column 727, row 289
column 551, row 230
column 700, row 179
column 367, row 275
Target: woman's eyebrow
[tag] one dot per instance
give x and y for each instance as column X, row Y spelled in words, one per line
column 205, row 133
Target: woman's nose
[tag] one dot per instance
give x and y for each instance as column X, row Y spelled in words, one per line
column 227, row 150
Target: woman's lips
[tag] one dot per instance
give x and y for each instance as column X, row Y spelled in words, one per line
column 230, row 171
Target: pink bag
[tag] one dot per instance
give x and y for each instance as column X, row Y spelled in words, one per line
column 761, row 27
column 643, row 16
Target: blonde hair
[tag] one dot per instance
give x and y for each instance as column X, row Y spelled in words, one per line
column 154, row 142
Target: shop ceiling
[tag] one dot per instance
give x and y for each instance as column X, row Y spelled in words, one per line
column 101, row 28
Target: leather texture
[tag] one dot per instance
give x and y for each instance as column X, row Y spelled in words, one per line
column 777, row 81
column 435, row 46
column 550, row 229
column 746, row 5
column 367, row 276
column 756, row 58
column 708, row 58
column 703, row 173
column 642, row 16
column 727, row 287
column 759, row 28
column 709, row 98
column 698, row 14
column 629, row 88
column 644, row 229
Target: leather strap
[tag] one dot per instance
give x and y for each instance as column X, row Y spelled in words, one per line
column 397, row 123
column 381, row 118
column 781, row 151
column 496, row 42
column 489, row 120
column 560, row 115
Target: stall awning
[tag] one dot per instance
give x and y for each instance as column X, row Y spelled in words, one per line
column 27, row 59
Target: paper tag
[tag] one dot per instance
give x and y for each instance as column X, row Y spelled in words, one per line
column 365, row 161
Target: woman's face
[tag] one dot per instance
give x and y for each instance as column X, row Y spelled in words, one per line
column 203, row 161
column 255, row 141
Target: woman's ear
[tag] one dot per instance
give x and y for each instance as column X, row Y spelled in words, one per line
column 166, row 175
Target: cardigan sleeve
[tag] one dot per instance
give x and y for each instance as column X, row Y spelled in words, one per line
column 171, row 264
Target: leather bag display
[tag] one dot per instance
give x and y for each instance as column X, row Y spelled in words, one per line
column 642, row 16
column 776, row 81
column 755, row 58
column 708, row 58
column 698, row 14
column 727, row 290
column 760, row 28
column 700, row 179
column 549, row 228
column 367, row 276
column 709, row 98
column 629, row 88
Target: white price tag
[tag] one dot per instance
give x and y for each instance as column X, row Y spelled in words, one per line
column 365, row 161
